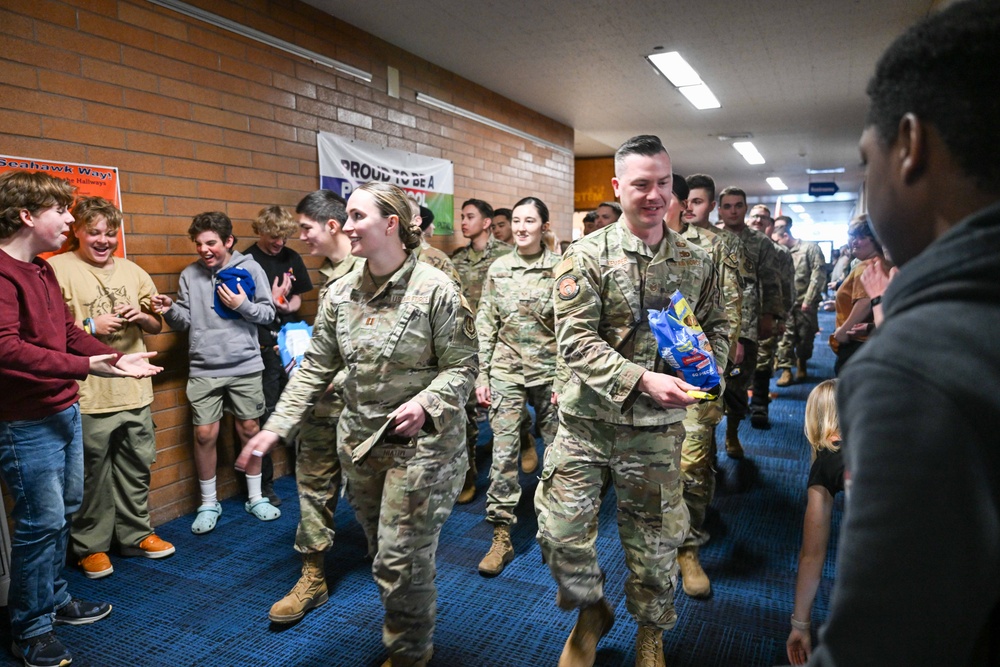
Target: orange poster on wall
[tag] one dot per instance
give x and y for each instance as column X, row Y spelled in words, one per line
column 89, row 181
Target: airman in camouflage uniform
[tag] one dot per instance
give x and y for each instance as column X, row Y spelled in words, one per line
column 761, row 221
column 517, row 362
column 762, row 306
column 619, row 415
column 796, row 345
column 404, row 339
column 472, row 265
column 438, row 259
column 698, row 451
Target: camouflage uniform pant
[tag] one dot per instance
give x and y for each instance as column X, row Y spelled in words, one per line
column 471, row 432
column 506, row 418
column 735, row 395
column 797, row 343
column 763, row 373
column 401, row 510
column 317, row 471
column 644, row 464
column 697, row 461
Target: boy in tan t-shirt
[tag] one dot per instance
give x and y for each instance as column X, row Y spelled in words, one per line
column 111, row 299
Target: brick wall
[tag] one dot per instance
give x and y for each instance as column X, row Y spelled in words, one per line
column 197, row 118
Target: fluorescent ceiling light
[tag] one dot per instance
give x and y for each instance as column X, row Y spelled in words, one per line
column 685, row 79
column 776, row 183
column 675, row 68
column 700, row 96
column 798, row 208
column 749, row 152
column 837, row 170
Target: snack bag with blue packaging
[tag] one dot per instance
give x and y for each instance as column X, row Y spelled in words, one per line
column 293, row 341
column 685, row 347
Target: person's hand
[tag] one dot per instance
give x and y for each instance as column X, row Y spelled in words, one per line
column 261, row 443
column 667, row 391
column 483, row 397
column 806, row 308
column 130, row 365
column 107, row 323
column 799, row 646
column 842, row 335
column 860, row 329
column 765, row 328
column 161, row 303
column 555, row 398
column 231, row 299
column 875, row 278
column 409, row 419
column 281, row 287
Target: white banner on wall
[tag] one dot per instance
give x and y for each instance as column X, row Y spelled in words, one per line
column 344, row 164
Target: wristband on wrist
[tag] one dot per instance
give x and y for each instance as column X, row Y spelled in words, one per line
column 876, row 300
column 800, row 625
column 88, row 326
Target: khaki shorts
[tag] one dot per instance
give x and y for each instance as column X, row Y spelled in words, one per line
column 208, row 396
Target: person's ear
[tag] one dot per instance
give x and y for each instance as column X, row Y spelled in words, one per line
column 333, row 226
column 393, row 223
column 229, row 242
column 910, row 148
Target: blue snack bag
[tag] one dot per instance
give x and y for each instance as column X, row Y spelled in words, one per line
column 684, row 346
column 293, row 341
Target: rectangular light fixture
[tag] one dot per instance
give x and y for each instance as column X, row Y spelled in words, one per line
column 262, row 37
column 471, row 115
column 798, row 208
column 837, row 170
column 776, row 183
column 685, row 79
column 749, row 152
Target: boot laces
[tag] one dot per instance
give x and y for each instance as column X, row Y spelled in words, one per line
column 649, row 646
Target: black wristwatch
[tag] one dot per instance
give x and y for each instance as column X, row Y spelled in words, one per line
column 876, row 300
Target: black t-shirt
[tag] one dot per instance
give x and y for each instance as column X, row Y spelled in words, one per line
column 828, row 471
column 274, row 266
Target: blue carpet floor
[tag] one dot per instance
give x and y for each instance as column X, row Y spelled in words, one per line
column 207, row 604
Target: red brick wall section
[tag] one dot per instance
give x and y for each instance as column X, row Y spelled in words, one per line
column 197, row 118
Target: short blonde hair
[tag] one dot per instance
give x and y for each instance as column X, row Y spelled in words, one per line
column 85, row 212
column 276, row 222
column 822, row 421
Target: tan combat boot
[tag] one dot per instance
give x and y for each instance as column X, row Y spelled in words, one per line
column 405, row 661
column 529, row 457
column 734, row 448
column 693, row 577
column 649, row 647
column 800, row 371
column 308, row 593
column 592, row 623
column 501, row 552
column 785, row 379
column 469, row 490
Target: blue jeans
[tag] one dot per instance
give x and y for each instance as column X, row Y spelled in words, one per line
column 41, row 462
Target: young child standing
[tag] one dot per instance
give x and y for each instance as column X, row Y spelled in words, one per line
column 225, row 362
column 826, row 479
column 42, row 354
column 111, row 298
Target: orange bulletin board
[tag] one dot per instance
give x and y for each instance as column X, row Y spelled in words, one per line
column 89, row 181
column 592, row 185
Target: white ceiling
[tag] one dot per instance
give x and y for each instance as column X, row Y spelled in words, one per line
column 791, row 73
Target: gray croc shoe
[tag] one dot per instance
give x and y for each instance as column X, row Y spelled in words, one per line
column 206, row 518
column 262, row 509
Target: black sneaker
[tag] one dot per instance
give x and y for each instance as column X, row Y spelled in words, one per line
column 758, row 419
column 78, row 612
column 42, row 651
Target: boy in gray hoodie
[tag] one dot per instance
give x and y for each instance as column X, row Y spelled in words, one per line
column 221, row 299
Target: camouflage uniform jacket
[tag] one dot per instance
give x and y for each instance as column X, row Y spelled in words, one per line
column 414, row 338
column 603, row 287
column 438, row 259
column 516, row 321
column 331, row 403
column 472, row 266
column 788, row 293
column 762, row 292
column 728, row 264
column 810, row 272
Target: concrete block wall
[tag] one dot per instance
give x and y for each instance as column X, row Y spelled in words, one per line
column 197, row 118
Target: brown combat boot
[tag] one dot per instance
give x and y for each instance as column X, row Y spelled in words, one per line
column 693, row 577
column 469, row 490
column 308, row 593
column 649, row 647
column 592, row 623
column 406, row 661
column 734, row 448
column 785, row 379
column 529, row 456
column 501, row 552
column 800, row 371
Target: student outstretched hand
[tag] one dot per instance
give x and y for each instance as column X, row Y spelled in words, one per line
column 258, row 445
column 133, row 365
